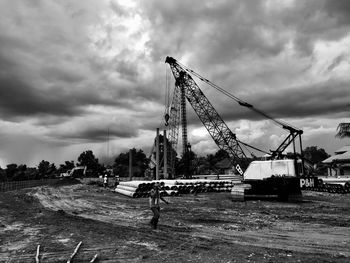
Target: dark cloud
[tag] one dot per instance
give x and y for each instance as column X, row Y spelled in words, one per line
column 75, row 68
column 339, row 9
column 215, row 33
column 50, row 120
column 56, row 74
column 100, row 134
column 339, row 59
column 312, row 21
column 323, row 99
column 228, row 30
column 329, row 97
column 93, row 129
column 21, row 99
column 126, row 69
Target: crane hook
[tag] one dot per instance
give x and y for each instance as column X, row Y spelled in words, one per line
column 166, row 117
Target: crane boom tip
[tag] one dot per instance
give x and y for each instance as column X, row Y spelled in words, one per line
column 170, row 60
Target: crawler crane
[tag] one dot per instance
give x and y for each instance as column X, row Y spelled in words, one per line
column 276, row 177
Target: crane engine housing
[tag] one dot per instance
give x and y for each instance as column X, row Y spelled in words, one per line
column 272, row 179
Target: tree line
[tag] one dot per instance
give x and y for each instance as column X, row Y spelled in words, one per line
column 47, row 170
column 213, row 163
column 198, row 165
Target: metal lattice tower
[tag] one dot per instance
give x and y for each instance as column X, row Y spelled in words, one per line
column 217, row 128
column 174, row 121
column 183, row 121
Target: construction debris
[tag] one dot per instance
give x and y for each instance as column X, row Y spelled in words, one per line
column 75, row 252
column 37, row 260
column 94, row 258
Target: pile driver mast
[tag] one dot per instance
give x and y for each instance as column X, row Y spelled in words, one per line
column 172, row 120
column 217, row 128
column 176, row 115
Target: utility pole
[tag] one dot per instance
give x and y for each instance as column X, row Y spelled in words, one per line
column 130, row 164
column 157, row 155
column 108, row 145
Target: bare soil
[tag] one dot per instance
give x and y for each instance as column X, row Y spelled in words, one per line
column 203, row 228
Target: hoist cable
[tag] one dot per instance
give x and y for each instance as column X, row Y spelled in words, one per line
column 240, row 102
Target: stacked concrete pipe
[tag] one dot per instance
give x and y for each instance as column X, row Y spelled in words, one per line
column 138, row 189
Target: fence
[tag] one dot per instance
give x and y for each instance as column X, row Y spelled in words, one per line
column 110, row 179
column 15, row 185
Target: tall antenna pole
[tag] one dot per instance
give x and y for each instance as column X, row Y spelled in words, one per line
column 130, row 164
column 108, row 144
column 157, row 155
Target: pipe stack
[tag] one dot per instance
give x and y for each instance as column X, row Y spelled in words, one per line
column 334, row 188
column 205, row 185
column 138, row 189
column 134, row 189
column 230, row 177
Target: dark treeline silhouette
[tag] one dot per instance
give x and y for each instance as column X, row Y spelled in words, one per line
column 198, row 165
column 47, row 170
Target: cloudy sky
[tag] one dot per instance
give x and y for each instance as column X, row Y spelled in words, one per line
column 70, row 71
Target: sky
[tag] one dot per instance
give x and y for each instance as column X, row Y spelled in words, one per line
column 90, row 75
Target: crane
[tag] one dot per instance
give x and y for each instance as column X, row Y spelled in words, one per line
column 224, row 138
column 274, row 177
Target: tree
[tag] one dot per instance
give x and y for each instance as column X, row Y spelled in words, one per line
column 11, row 171
column 180, row 165
column 314, row 154
column 201, row 165
column 343, row 130
column 89, row 160
column 20, row 174
column 31, row 173
column 213, row 159
column 139, row 162
column 2, row 175
column 46, row 169
column 221, row 155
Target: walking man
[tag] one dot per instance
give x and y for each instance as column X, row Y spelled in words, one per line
column 105, row 181
column 116, row 182
column 154, row 204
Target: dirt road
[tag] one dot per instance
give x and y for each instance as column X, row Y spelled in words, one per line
column 204, row 228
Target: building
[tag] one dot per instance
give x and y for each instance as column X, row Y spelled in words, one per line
column 339, row 163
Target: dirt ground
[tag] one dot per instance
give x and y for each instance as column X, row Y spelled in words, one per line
column 204, row 228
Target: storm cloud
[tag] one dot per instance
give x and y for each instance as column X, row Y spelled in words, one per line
column 72, row 70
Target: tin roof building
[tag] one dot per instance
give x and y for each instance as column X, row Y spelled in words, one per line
column 339, row 163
